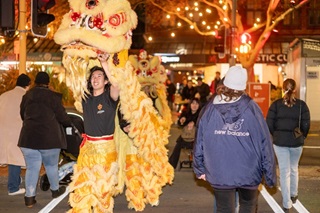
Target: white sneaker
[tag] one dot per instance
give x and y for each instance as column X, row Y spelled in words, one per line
column 20, row 191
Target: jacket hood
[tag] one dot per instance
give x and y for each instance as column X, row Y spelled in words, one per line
column 231, row 112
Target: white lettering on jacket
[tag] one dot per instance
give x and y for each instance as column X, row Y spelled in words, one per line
column 232, row 129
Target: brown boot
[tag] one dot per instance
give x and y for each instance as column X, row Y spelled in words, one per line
column 57, row 193
column 30, row 201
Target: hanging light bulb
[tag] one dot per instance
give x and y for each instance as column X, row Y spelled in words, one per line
column 292, row 3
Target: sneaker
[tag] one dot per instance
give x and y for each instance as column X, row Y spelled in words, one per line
column 58, row 192
column 20, row 191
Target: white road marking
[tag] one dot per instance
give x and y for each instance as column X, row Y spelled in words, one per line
column 311, row 147
column 54, row 202
column 270, row 200
column 298, row 206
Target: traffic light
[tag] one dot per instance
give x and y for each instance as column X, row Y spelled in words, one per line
column 245, row 45
column 40, row 17
column 220, row 43
column 7, row 22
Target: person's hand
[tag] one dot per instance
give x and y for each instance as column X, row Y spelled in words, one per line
column 103, row 57
column 182, row 120
column 190, row 125
column 202, row 177
column 126, row 128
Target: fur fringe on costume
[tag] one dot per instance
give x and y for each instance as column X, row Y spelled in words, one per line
column 149, row 133
column 139, row 161
column 94, row 180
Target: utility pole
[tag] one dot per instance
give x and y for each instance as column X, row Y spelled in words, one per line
column 232, row 60
column 22, row 36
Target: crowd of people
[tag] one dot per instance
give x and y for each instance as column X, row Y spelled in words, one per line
column 32, row 135
column 234, row 146
column 233, row 139
column 188, row 90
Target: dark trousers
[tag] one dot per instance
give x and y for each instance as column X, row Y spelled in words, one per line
column 14, row 179
column 226, row 200
column 180, row 143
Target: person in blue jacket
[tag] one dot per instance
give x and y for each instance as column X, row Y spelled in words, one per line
column 233, row 148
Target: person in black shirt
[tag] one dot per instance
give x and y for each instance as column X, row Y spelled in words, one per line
column 202, row 91
column 171, row 90
column 98, row 156
column 187, row 91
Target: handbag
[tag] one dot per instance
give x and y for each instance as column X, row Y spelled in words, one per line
column 297, row 131
column 187, row 134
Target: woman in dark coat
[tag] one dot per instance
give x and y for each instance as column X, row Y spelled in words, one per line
column 42, row 136
column 284, row 115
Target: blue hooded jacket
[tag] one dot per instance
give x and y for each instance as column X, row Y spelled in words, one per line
column 233, row 147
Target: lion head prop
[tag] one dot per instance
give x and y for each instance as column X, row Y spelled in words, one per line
column 148, row 68
column 151, row 76
column 90, row 28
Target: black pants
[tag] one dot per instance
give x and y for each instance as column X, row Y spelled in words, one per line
column 180, row 143
column 226, row 202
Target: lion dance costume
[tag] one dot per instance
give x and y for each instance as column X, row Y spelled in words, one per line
column 137, row 162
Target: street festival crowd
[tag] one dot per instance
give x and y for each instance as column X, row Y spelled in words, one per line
column 126, row 103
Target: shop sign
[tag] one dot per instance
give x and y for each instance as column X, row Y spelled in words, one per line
column 44, row 56
column 311, row 48
column 311, row 45
column 170, row 59
column 312, row 75
column 313, row 62
column 272, row 58
column 213, row 59
column 260, row 93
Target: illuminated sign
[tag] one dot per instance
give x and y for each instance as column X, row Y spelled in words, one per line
column 170, row 59
column 178, row 65
column 311, row 45
column 272, row 58
column 205, row 59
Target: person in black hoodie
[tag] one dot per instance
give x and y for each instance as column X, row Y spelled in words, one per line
column 42, row 136
column 187, row 120
column 284, row 116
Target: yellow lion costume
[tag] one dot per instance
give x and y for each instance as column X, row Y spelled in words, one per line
column 141, row 163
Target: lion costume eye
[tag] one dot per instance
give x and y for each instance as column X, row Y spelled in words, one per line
column 90, row 4
column 117, row 19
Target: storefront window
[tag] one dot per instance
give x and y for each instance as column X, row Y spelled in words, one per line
column 314, row 13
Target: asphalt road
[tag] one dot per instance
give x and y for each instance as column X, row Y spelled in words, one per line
column 187, row 194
